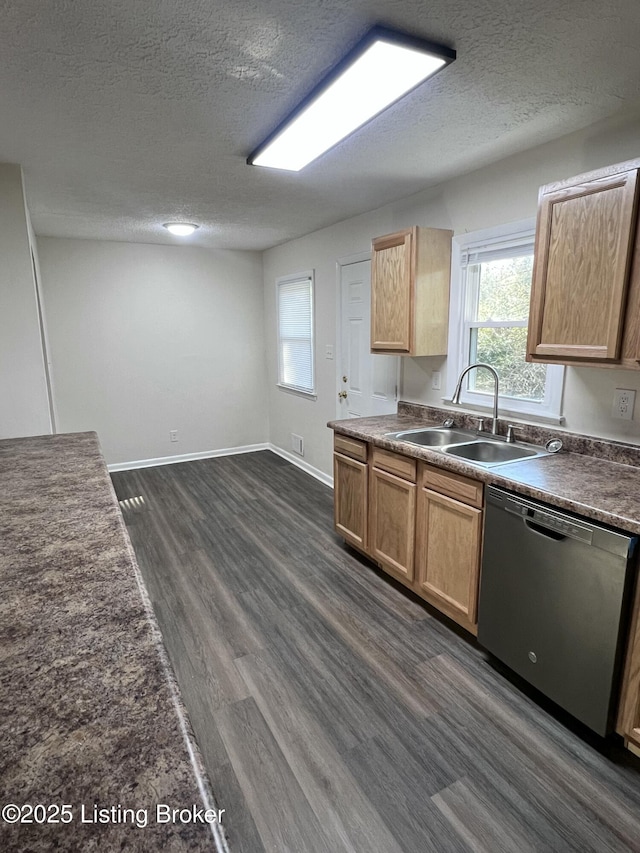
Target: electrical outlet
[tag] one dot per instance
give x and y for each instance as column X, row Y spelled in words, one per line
column 173, row 435
column 623, row 402
column 297, row 444
column 435, row 380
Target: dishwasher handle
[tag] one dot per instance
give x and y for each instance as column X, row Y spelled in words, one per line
column 544, row 531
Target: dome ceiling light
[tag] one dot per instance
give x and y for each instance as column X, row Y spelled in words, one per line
column 180, row 229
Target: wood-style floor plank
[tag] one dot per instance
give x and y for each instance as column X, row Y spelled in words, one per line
column 334, row 711
column 478, row 820
column 282, row 813
column 349, row 819
column 400, row 787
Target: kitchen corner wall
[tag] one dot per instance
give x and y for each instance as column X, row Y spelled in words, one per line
column 497, row 194
column 24, row 401
column 145, row 339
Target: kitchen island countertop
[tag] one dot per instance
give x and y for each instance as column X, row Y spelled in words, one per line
column 90, row 716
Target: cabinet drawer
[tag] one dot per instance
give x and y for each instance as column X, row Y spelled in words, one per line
column 350, row 447
column 455, row 485
column 401, row 466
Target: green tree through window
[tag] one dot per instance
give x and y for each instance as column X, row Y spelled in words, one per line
column 499, row 334
column 490, row 292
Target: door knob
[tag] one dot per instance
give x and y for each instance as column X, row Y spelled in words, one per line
column 342, row 395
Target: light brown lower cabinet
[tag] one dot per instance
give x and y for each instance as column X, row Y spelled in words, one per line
column 448, row 544
column 392, row 514
column 629, row 710
column 351, row 499
column 423, row 525
column 419, row 523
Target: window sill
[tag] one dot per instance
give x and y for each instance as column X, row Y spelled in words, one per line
column 297, row 392
column 504, row 412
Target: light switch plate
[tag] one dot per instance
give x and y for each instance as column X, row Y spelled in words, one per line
column 435, row 380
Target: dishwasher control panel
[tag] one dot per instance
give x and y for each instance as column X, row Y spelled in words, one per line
column 550, row 521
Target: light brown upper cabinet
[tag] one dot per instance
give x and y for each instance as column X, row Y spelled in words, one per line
column 410, row 274
column 585, row 296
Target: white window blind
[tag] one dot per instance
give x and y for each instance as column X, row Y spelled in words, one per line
column 295, row 333
column 479, row 253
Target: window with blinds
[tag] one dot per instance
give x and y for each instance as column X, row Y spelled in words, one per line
column 492, row 278
column 295, row 332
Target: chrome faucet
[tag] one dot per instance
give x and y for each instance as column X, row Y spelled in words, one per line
column 456, row 393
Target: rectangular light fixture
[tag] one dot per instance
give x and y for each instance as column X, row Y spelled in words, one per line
column 382, row 68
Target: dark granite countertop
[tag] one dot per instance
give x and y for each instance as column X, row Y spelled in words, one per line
column 595, row 486
column 89, row 713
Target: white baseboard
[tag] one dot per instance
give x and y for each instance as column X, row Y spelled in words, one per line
column 300, row 463
column 187, row 457
column 226, row 451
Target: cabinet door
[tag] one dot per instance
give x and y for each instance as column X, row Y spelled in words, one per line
column 392, row 523
column 448, row 555
column 392, row 292
column 584, row 242
column 350, row 499
column 629, row 709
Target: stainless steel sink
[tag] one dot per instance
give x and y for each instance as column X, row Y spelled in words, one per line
column 468, row 445
column 433, row 436
column 490, row 453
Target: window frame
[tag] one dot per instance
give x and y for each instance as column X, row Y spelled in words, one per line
column 516, row 235
column 307, row 275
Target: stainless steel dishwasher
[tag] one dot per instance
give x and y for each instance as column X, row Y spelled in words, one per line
column 553, row 600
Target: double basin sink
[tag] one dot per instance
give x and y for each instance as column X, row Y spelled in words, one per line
column 469, row 446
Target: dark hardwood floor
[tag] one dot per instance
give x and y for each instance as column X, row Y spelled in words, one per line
column 334, row 711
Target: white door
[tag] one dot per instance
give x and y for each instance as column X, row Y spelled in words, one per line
column 368, row 384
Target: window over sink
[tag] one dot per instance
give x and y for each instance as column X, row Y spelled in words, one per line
column 490, row 293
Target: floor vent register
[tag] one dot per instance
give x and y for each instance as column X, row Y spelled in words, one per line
column 132, row 505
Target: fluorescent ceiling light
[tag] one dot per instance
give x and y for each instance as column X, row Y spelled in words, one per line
column 180, row 229
column 382, row 68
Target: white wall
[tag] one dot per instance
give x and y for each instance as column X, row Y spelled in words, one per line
column 24, row 404
column 501, row 193
column 145, row 339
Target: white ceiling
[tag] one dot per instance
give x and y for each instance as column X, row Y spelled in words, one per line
column 129, row 113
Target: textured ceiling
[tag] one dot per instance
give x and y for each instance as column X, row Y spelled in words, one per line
column 131, row 113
